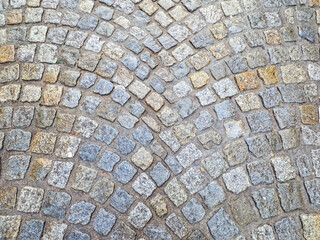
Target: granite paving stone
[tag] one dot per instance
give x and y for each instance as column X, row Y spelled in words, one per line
column 284, row 168
column 22, row 116
column 59, row 174
column 188, row 155
column 124, row 172
column 140, row 216
column 259, row 146
column 17, row 167
column 77, row 235
column 121, row 200
column 55, row 204
column 43, row 143
column 89, row 152
column 236, row 180
column 102, row 190
column 84, row 178
column 270, row 98
column 313, row 189
column 8, row 198
column 31, row 229
column 175, row 223
column 80, row 213
column 108, row 160
column 236, row 152
column 291, row 196
column 18, row 140
column 10, row 225
column 176, row 192
column 123, row 232
column 40, row 169
column 288, row 228
column 44, row 117
column 160, row 174
column 290, row 138
column 54, row 229
column 243, row 211
column 215, row 164
column 260, row 173
column 193, row 180
column 67, row 146
column 30, row 199
column 248, row 102
column 193, row 211
column 264, row 231
column 267, row 202
column 104, row 222
column 221, row 226
column 260, row 122
column 213, row 194
column 144, row 185
column 225, row 109
column 309, row 222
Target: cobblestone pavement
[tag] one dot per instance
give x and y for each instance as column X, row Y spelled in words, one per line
column 159, row 120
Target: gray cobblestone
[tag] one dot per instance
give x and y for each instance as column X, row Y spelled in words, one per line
column 193, row 211
column 56, row 203
column 219, row 223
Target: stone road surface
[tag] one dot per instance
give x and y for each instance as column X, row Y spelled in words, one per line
column 159, row 120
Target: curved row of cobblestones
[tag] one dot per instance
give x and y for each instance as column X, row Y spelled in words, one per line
column 163, row 119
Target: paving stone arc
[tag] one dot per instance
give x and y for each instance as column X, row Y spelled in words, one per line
column 159, row 119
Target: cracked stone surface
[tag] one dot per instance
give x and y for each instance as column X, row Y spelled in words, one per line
column 159, row 119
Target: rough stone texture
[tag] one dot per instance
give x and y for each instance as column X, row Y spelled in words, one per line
column 243, row 211
column 59, row 174
column 80, row 213
column 221, row 226
column 176, row 192
column 124, row 172
column 121, row 200
column 260, row 173
column 284, row 168
column 142, row 158
column 290, row 196
column 8, row 198
column 17, row 167
column 236, row 180
column 215, row 164
column 10, row 226
column 175, row 223
column 140, row 215
column 30, row 199
column 43, row 143
column 54, row 229
column 144, row 185
column 267, row 202
column 288, row 228
column 84, row 178
column 56, row 203
column 236, row 152
column 159, row 119
column 67, row 146
column 102, row 190
column 188, row 155
column 264, row 232
column 31, row 229
column 193, row 211
column 213, row 194
column 193, row 180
